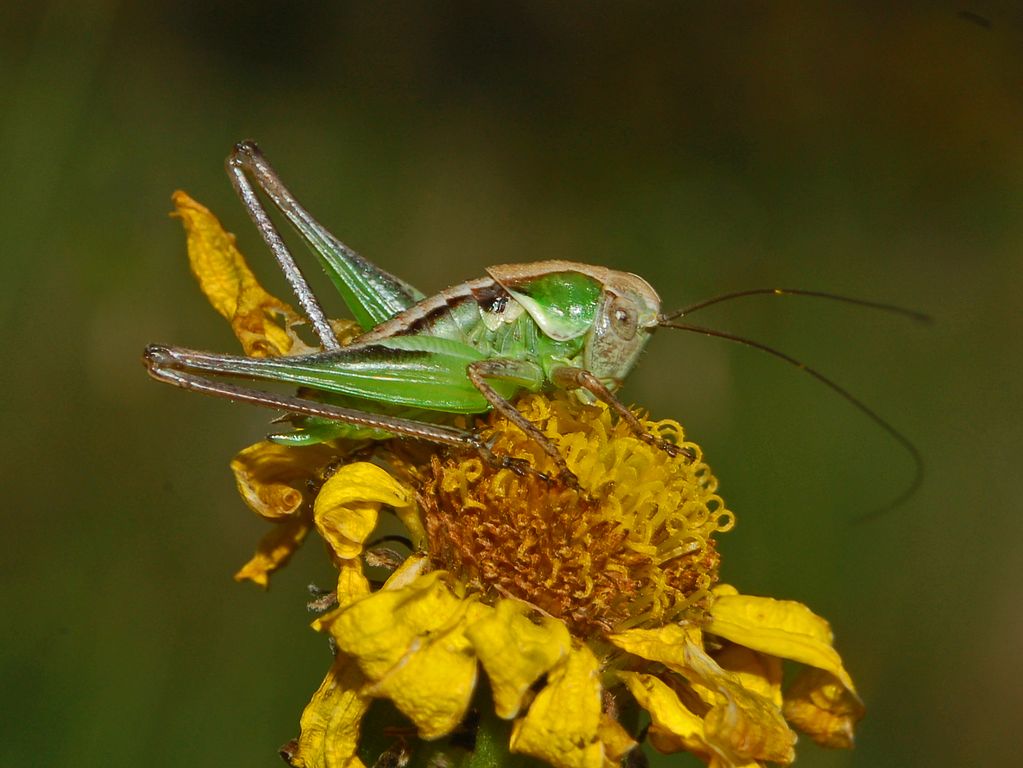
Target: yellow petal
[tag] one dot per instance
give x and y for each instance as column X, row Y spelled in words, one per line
column 273, row 479
column 756, row 671
column 415, row 565
column 616, row 740
column 721, row 588
column 782, row 628
column 352, row 584
column 345, row 510
column 409, row 516
column 261, row 322
column 562, row 724
column 819, row 705
column 330, row 722
column 673, row 728
column 741, row 725
column 665, row 644
column 434, row 682
column 716, row 761
column 274, row 550
column 379, row 629
column 515, row 651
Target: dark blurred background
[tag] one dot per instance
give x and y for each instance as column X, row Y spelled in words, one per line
column 854, row 148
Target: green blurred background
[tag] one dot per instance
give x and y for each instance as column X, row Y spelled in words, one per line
column 709, row 147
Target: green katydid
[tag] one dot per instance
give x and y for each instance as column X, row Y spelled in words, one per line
column 466, row 350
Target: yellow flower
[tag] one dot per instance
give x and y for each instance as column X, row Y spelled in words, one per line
column 576, row 605
column 525, row 617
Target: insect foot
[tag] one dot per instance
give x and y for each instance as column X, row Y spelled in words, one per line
column 521, row 467
column 668, row 447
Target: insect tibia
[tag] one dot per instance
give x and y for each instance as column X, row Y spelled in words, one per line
column 160, row 360
column 372, row 294
column 236, row 169
column 156, row 358
column 568, row 377
column 244, row 148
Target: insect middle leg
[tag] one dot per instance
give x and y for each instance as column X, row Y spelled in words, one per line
column 478, row 373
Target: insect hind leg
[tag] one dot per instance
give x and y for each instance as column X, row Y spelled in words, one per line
column 172, row 365
column 372, row 294
column 175, row 366
column 238, row 163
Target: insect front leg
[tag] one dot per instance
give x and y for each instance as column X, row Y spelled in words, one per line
column 530, row 375
column 371, row 294
column 568, row 377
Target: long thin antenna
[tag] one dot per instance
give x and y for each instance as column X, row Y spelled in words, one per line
column 894, row 308
column 900, row 438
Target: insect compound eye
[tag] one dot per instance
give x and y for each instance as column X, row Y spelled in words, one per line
column 623, row 318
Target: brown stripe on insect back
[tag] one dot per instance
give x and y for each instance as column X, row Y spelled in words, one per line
column 491, row 297
column 421, row 315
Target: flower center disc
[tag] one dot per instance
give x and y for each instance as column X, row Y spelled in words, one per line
column 633, row 549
